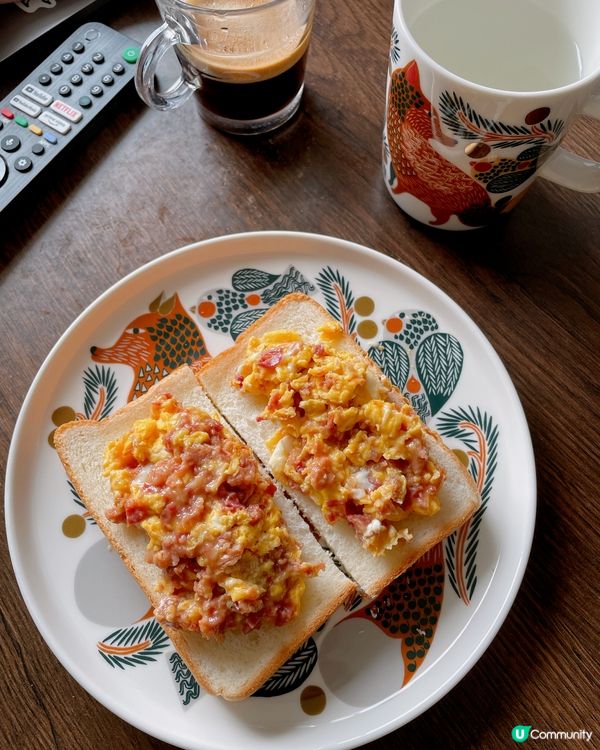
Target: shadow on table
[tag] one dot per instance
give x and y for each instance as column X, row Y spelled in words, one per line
column 526, row 240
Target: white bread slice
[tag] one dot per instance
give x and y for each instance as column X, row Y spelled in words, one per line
column 239, row 664
column 459, row 497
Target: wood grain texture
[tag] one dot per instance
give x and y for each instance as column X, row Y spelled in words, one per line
column 146, row 182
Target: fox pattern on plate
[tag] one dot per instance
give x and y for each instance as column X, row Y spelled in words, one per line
column 155, row 343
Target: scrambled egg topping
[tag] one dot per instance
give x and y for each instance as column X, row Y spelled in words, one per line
column 214, row 528
column 339, row 438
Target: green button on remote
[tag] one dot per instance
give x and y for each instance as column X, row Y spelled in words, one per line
column 20, row 120
column 131, row 54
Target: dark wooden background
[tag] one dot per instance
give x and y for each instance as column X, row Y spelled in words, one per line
column 144, row 183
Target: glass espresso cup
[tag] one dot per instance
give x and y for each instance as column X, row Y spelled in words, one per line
column 245, row 59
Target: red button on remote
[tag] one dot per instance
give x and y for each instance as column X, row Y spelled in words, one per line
column 7, row 113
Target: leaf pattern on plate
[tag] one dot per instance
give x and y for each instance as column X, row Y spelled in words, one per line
column 478, row 433
column 187, row 686
column 393, row 360
column 101, row 391
column 338, row 295
column 134, row 645
column 291, row 674
column 243, row 320
column 252, row 279
column 439, row 361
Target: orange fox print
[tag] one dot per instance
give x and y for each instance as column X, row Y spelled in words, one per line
column 155, row 343
column 420, row 169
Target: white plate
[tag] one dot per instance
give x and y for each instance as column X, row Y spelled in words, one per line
column 91, row 613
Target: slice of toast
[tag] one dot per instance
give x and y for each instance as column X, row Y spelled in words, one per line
column 237, row 665
column 458, row 497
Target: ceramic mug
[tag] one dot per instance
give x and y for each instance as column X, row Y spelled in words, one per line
column 480, row 94
column 245, row 59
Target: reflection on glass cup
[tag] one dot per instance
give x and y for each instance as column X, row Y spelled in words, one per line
column 245, row 59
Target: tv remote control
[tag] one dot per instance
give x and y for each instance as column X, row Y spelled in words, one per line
column 50, row 107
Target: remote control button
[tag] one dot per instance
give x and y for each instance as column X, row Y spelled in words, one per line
column 78, row 47
column 118, row 69
column 108, row 80
column 44, row 79
column 25, row 105
column 91, row 34
column 67, row 58
column 39, row 96
column 56, row 69
column 76, row 79
column 56, row 123
column 10, row 143
column 35, row 130
column 131, row 54
column 3, row 170
column 96, row 90
column 64, row 90
column 7, row 113
column 72, row 114
column 87, row 68
column 1, row 124
column 38, row 149
column 20, row 120
column 23, row 164
column 98, row 58
column 85, row 102
column 50, row 137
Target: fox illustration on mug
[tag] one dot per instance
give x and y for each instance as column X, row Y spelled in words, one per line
column 422, row 171
column 469, row 124
column 419, row 169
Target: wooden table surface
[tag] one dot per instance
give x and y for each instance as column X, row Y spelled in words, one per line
column 146, row 182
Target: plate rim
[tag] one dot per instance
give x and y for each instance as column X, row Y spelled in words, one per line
column 530, row 490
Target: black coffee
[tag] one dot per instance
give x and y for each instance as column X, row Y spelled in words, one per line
column 251, row 100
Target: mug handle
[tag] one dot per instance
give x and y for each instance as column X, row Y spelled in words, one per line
column 151, row 54
column 570, row 170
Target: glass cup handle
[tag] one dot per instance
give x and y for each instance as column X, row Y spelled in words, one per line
column 151, row 54
column 570, row 170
